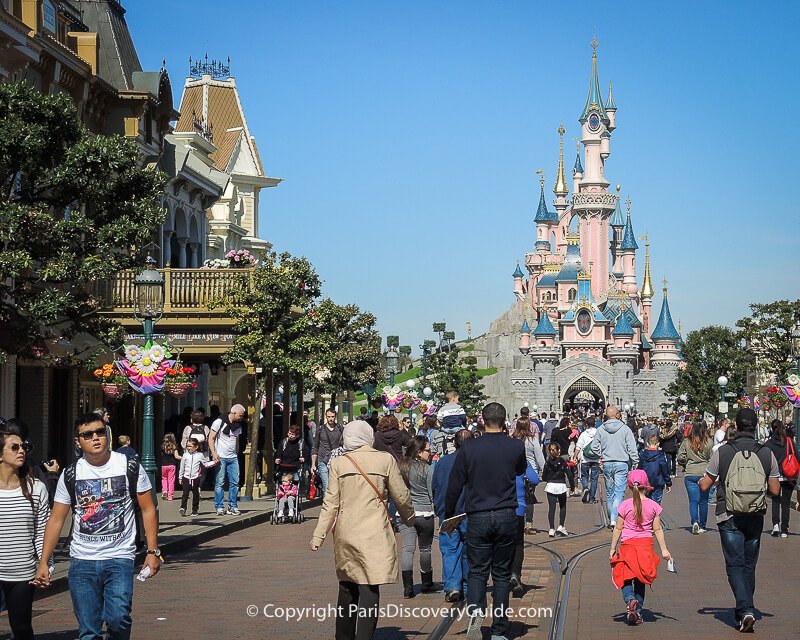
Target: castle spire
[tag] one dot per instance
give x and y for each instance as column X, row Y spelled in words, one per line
column 578, row 168
column 629, row 239
column 665, row 328
column 594, row 99
column 611, row 105
column 542, row 214
column 561, row 182
column 647, row 284
column 617, row 220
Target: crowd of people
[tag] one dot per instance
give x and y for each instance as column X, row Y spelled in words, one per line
column 476, row 476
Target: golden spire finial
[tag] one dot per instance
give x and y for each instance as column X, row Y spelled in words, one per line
column 561, row 182
column 540, row 173
column 647, row 285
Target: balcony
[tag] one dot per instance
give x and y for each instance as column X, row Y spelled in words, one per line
column 190, row 295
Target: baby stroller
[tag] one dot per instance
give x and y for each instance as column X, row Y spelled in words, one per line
column 283, row 513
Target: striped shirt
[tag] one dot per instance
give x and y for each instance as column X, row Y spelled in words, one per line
column 18, row 557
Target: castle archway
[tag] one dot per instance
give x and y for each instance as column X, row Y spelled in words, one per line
column 584, row 394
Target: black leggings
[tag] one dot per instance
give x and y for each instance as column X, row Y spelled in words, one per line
column 552, row 499
column 358, row 625
column 781, row 506
column 19, row 602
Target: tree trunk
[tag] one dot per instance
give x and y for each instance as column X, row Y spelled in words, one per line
column 252, row 444
column 317, row 407
column 269, row 443
column 351, row 398
column 300, row 404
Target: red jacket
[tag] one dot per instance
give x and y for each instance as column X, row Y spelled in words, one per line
column 637, row 559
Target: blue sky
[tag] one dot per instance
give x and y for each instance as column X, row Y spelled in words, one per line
column 408, row 134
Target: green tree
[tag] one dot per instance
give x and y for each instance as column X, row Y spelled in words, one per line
column 75, row 209
column 449, row 371
column 709, row 352
column 768, row 335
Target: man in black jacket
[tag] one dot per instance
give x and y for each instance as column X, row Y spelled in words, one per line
column 486, row 468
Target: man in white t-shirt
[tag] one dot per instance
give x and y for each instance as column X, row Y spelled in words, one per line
column 97, row 488
column 223, row 441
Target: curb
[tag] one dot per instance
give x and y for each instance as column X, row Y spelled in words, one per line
column 184, row 543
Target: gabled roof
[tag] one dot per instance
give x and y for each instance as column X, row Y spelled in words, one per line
column 545, row 327
column 665, row 329
column 548, row 279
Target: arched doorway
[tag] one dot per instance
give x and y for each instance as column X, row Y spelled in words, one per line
column 584, row 394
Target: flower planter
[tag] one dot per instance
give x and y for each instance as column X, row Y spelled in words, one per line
column 112, row 389
column 177, row 389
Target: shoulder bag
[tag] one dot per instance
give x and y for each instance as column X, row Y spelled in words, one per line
column 374, row 488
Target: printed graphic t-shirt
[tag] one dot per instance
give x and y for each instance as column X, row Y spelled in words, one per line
column 226, row 446
column 104, row 518
column 633, row 529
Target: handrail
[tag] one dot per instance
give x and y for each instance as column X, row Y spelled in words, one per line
column 185, row 290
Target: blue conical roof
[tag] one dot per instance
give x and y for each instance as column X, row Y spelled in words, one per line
column 518, row 272
column 623, row 326
column 525, row 328
column 594, row 99
column 629, row 239
column 617, row 220
column 545, row 327
column 542, row 214
column 665, row 329
column 578, row 168
column 611, row 104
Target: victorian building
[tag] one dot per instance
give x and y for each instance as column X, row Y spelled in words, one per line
column 581, row 331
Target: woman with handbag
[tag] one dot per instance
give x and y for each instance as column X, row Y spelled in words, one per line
column 24, row 510
column 780, row 445
column 360, row 482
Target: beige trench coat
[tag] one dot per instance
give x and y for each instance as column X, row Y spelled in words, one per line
column 364, row 541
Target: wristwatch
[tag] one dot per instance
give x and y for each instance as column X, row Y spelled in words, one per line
column 155, row 552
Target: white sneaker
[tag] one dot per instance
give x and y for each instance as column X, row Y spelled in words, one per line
column 474, row 626
column 562, row 531
column 784, row 535
column 234, row 511
column 220, row 511
column 776, row 531
column 701, row 530
column 552, row 533
column 291, row 515
column 695, row 529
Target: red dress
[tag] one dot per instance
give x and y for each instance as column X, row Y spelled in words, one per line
column 636, row 558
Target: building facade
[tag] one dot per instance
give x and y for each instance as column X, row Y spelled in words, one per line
column 580, row 331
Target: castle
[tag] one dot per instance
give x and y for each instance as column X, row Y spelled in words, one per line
column 592, row 341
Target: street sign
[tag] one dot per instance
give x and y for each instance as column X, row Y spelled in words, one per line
column 723, row 407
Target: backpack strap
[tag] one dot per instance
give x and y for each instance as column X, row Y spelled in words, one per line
column 132, row 472
column 69, row 483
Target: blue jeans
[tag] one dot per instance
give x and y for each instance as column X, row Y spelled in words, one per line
column 633, row 589
column 616, row 477
column 102, row 590
column 322, row 469
column 491, row 538
column 455, row 568
column 590, row 471
column 741, row 539
column 698, row 500
column 657, row 494
column 229, row 467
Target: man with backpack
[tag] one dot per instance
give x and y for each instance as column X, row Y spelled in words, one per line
column 100, row 488
column 745, row 472
column 223, row 443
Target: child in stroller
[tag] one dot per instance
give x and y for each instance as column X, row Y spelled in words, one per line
column 286, row 494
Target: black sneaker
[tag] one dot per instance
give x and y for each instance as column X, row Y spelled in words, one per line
column 182, row 511
column 517, row 588
column 585, row 496
column 747, row 623
column 453, row 596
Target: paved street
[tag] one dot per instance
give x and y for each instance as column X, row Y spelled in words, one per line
column 204, row 593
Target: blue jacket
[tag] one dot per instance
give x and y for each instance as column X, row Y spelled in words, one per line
column 441, row 474
column 534, row 478
column 654, row 463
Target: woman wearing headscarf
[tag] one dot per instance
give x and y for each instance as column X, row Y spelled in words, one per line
column 365, row 549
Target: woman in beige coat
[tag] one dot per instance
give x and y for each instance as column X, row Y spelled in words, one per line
column 364, row 542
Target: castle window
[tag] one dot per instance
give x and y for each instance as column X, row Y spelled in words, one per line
column 571, row 295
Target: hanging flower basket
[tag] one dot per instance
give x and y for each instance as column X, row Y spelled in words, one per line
column 178, row 389
column 112, row 389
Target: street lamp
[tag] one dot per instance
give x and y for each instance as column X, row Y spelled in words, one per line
column 722, row 381
column 391, row 364
column 148, row 306
column 410, row 384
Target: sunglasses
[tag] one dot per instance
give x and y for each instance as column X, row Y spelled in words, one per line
column 27, row 447
column 89, row 435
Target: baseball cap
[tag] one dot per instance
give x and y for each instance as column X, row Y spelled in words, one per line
column 639, row 476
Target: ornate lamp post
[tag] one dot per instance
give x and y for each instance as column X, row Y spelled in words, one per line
column 391, row 364
column 722, row 381
column 148, row 306
column 410, row 384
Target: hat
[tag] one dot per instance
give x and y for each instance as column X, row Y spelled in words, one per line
column 746, row 418
column 638, row 476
